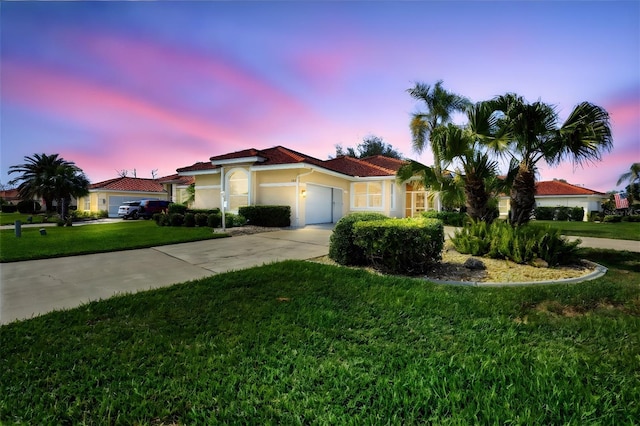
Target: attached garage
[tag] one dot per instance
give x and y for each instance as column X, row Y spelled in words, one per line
column 115, row 201
column 323, row 204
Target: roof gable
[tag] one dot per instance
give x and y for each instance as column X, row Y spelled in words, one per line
column 129, row 184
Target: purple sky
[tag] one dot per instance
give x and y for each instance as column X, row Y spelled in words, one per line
column 137, row 85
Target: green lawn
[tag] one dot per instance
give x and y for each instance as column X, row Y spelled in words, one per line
column 10, row 218
column 619, row 231
column 85, row 239
column 302, row 343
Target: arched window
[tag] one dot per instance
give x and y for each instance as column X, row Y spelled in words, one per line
column 237, row 189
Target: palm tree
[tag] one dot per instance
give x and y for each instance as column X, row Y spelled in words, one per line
column 50, row 177
column 441, row 105
column 528, row 133
column 633, row 177
column 475, row 178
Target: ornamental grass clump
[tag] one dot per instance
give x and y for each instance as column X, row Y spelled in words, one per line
column 520, row 244
column 400, row 246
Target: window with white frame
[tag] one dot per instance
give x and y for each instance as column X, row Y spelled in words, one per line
column 238, row 189
column 367, row 195
column 87, row 203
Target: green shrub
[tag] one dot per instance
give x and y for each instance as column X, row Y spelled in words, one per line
column 562, row 214
column 544, row 213
column 201, row 219
column 189, row 220
column 176, row 208
column 103, row 214
column 473, row 239
column 612, row 219
column 520, row 244
column 9, row 208
column 400, row 246
column 232, row 220
column 204, row 211
column 576, row 214
column 28, row 206
column 448, row 218
column 631, row 218
column 270, row 216
column 593, row 216
column 214, row 220
column 176, row 219
column 342, row 248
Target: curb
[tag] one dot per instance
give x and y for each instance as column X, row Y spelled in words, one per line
column 599, row 271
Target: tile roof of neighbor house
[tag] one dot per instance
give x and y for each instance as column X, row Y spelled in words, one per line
column 177, row 179
column 556, row 187
column 377, row 165
column 129, row 184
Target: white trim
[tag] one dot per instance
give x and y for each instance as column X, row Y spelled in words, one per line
column 206, row 187
column 240, row 160
column 276, row 185
column 319, row 169
column 383, row 195
column 200, row 172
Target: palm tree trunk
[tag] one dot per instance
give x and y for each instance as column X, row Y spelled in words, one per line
column 477, row 199
column 523, row 196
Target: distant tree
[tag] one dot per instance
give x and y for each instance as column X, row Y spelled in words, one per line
column 50, row 177
column 122, row 173
column 154, row 173
column 371, row 145
column 633, row 177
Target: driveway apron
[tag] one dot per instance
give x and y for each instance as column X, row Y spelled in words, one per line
column 35, row 287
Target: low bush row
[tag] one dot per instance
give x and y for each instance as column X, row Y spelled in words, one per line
column 269, row 216
column 190, row 219
column 520, row 244
column 575, row 214
column 616, row 218
column 399, row 246
column 447, row 218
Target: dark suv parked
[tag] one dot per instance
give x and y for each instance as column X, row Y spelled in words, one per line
column 142, row 208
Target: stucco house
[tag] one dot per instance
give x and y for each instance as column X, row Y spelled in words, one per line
column 318, row 191
column 110, row 194
column 555, row 193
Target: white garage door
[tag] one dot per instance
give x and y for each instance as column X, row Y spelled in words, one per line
column 116, row 201
column 323, row 204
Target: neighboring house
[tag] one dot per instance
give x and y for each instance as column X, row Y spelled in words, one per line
column 556, row 193
column 110, row 194
column 318, row 191
column 10, row 196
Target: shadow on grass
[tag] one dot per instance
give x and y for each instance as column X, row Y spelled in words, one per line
column 624, row 260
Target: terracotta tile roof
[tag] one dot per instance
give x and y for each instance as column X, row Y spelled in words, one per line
column 386, row 162
column 10, row 194
column 555, row 187
column 129, row 184
column 197, row 167
column 377, row 165
column 177, row 179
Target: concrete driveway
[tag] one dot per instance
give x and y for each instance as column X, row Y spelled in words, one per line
column 35, row 287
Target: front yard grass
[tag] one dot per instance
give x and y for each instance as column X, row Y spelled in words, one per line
column 618, row 231
column 302, row 343
column 87, row 239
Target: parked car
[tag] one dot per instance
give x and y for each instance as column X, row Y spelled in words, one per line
column 129, row 209
column 150, row 207
column 142, row 208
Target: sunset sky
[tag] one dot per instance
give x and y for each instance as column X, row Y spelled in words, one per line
column 148, row 85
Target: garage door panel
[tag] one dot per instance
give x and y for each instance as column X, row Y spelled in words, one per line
column 319, row 207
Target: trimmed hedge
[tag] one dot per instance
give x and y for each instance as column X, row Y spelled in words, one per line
column 175, row 208
column 28, row 206
column 342, row 248
column 448, row 218
column 269, row 216
column 401, row 246
column 9, row 208
column 521, row 244
column 575, row 214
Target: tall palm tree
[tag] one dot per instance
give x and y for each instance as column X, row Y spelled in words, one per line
column 440, row 105
column 50, row 177
column 532, row 134
column 464, row 148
